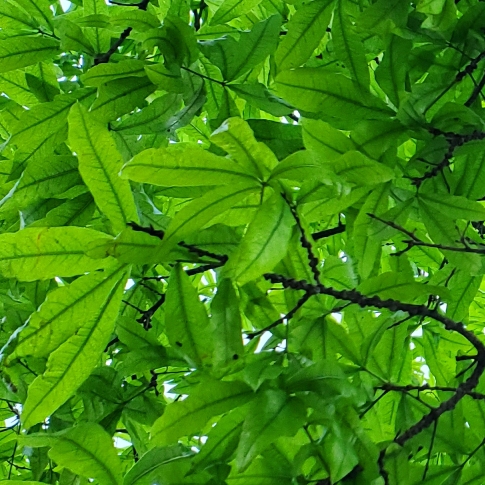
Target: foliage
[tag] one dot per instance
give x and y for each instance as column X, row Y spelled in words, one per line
column 242, row 242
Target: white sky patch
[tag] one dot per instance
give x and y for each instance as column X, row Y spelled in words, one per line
column 337, row 316
column 130, row 283
column 65, row 4
column 263, row 339
column 167, row 387
column 425, row 371
column 418, row 332
column 121, row 443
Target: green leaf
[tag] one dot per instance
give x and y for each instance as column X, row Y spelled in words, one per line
column 237, row 139
column 306, row 29
column 226, row 324
column 99, row 165
column 259, row 96
column 339, row 454
column 121, row 96
column 367, row 249
column 348, row 46
column 128, row 247
column 88, row 450
column 188, row 326
column 64, row 312
column 38, row 9
column 104, row 73
column 280, row 138
column 184, row 166
column 24, row 51
column 304, row 164
column 155, row 462
column 391, row 75
column 39, row 130
column 137, row 19
column 453, row 206
column 13, row 17
column 15, row 86
column 222, row 440
column 264, row 243
column 202, row 211
column 355, row 168
column 230, row 9
column 72, row 37
column 262, row 472
column 42, row 180
column 463, row 289
column 442, row 230
column 272, row 414
column 74, row 360
column 399, row 286
column 235, row 58
column 152, row 119
column 324, row 139
column 43, row 253
column 333, row 95
column 208, row 400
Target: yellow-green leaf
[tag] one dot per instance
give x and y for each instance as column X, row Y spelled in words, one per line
column 45, row 252
column 74, row 360
column 99, row 164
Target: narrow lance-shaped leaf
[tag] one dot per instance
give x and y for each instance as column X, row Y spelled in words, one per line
column 12, row 17
column 222, row 439
column 45, row 252
column 187, row 323
column 156, row 462
column 201, row 211
column 103, row 73
column 390, row 74
column 129, row 246
column 348, row 46
column 151, row 119
column 184, row 167
column 87, row 450
column 455, row 207
column 325, row 139
column 210, row 399
column 35, row 132
column 316, row 90
column 42, row 180
column 22, row 51
column 235, row 58
column 236, row 138
column 367, row 249
column 38, row 9
column 306, row 29
column 265, row 242
column 64, row 311
column 99, row 164
column 230, row 9
column 226, row 320
column 72, row 363
column 271, row 415
column 121, row 96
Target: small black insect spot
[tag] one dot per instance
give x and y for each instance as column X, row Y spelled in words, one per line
column 235, row 357
column 178, row 344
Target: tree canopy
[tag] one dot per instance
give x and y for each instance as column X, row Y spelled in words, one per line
column 242, row 242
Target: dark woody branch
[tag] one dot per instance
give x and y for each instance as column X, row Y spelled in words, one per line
column 105, row 57
column 391, row 387
column 415, row 241
column 354, row 296
column 454, row 141
column 328, row 232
